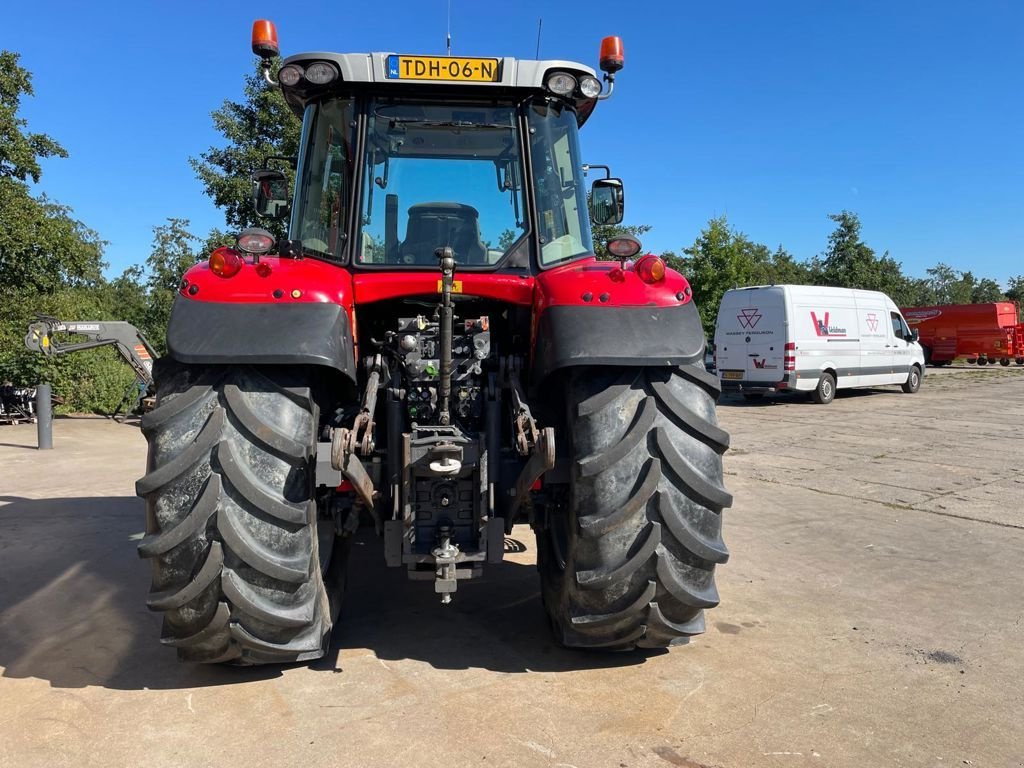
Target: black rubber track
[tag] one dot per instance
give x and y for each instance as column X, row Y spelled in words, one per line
column 631, row 562
column 230, row 517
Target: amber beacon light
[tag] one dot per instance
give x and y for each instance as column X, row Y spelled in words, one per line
column 613, row 57
column 264, row 39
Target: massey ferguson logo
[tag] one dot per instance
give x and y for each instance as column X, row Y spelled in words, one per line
column 749, row 317
column 822, row 327
column 872, row 319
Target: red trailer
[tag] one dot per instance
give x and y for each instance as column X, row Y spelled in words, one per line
column 983, row 333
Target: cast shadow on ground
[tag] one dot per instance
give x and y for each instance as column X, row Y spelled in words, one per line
column 72, row 608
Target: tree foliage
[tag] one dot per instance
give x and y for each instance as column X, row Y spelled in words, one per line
column 1015, row 289
column 20, row 151
column 849, row 262
column 258, row 127
column 722, row 258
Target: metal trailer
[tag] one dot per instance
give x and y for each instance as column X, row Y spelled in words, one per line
column 981, row 333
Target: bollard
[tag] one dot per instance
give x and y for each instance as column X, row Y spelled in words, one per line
column 44, row 417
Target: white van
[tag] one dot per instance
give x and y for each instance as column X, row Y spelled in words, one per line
column 808, row 338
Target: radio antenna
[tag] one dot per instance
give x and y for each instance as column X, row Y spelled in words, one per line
column 540, row 24
column 449, row 38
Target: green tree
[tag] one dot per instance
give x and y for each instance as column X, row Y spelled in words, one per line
column 172, row 255
column 1015, row 289
column 950, row 286
column 849, row 262
column 722, row 258
column 260, row 126
column 51, row 263
column 20, row 151
column 986, row 290
column 42, row 246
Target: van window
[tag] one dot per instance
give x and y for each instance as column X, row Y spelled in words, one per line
column 899, row 326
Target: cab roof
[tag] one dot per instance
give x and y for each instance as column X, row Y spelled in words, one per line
column 370, row 72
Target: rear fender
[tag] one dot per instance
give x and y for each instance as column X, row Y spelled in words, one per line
column 279, row 311
column 595, row 313
column 219, row 333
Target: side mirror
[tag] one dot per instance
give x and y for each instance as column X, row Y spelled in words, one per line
column 607, row 201
column 270, row 194
column 914, row 334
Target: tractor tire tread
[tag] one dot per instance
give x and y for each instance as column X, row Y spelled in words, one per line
column 643, row 529
column 231, row 520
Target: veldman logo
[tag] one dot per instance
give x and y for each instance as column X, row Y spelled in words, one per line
column 749, row 317
column 824, row 329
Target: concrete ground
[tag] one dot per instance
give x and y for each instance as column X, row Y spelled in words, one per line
column 872, row 615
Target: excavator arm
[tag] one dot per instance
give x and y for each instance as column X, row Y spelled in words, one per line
column 129, row 341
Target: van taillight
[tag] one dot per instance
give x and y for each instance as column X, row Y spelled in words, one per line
column 789, row 357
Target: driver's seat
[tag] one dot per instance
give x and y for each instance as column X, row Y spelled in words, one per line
column 435, row 225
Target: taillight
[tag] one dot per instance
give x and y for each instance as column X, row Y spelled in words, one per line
column 225, row 262
column 789, row 357
column 650, row 269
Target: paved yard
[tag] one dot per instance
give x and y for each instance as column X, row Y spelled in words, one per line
column 872, row 615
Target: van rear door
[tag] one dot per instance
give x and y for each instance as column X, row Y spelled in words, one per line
column 750, row 335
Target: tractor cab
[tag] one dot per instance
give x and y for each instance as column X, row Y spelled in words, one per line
column 403, row 155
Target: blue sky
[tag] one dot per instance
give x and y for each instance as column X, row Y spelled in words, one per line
column 772, row 113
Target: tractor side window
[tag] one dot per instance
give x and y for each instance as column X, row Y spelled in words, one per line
column 323, row 192
column 563, row 222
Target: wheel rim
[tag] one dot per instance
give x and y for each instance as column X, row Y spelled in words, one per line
column 826, row 389
column 914, row 378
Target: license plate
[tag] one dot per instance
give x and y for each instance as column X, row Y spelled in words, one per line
column 732, row 374
column 442, row 68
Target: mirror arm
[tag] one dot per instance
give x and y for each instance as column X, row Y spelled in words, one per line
column 607, row 170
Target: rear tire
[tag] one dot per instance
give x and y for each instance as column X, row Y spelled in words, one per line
column 1004, row 361
column 825, row 392
column 913, row 382
column 231, row 518
column 629, row 560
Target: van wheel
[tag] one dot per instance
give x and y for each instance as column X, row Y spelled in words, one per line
column 825, row 392
column 913, row 382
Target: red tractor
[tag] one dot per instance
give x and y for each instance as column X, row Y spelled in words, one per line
column 433, row 348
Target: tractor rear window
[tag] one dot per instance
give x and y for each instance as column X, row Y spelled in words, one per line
column 441, row 175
